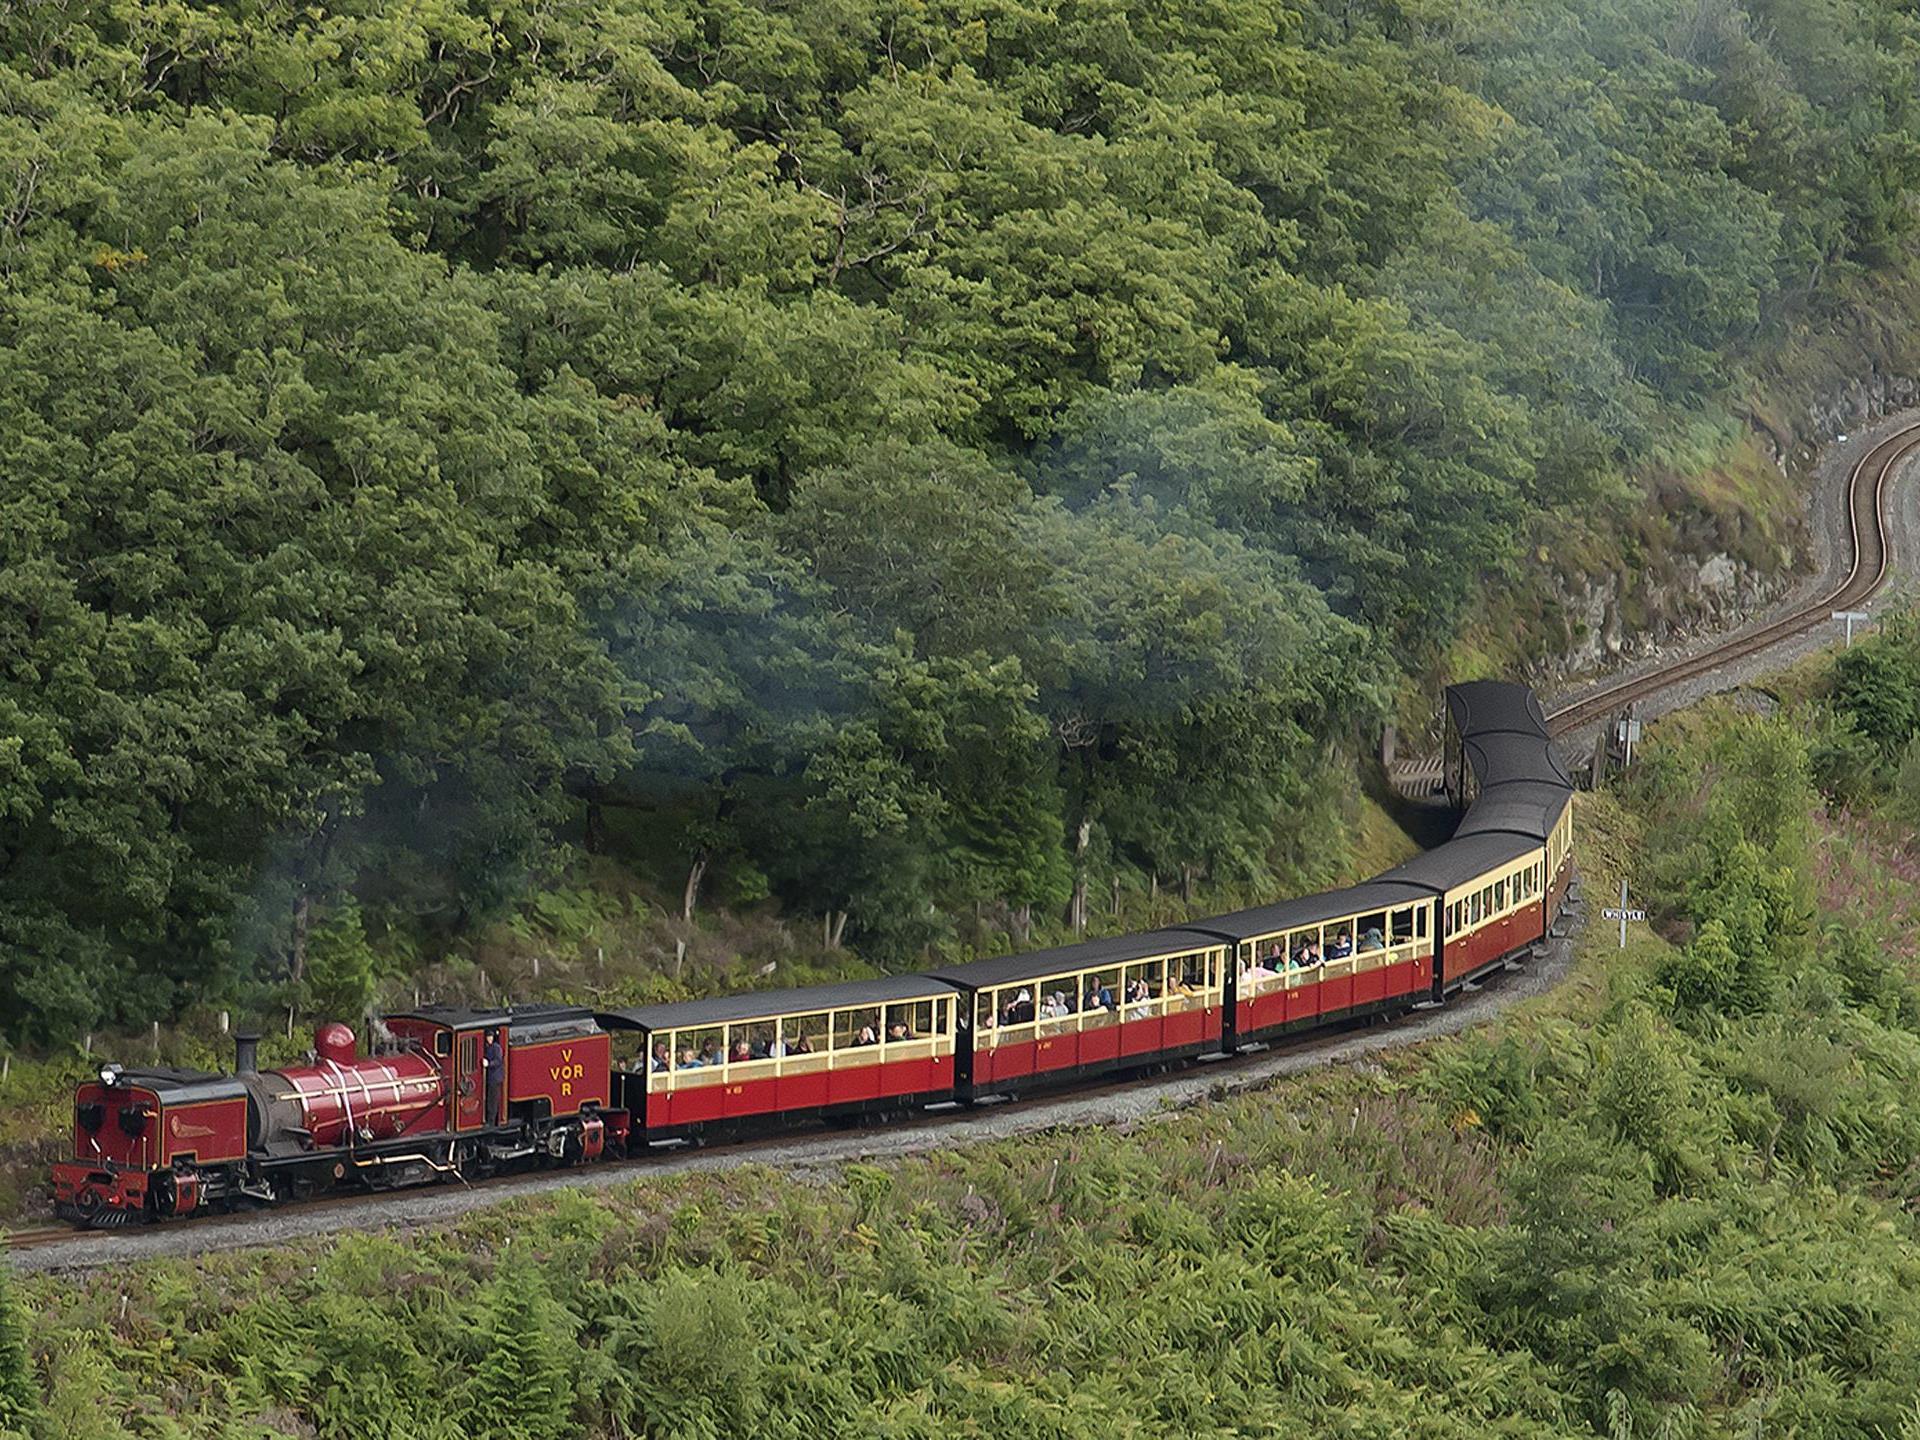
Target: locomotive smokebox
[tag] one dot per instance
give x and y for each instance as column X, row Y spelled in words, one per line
column 334, row 1041
column 246, row 1054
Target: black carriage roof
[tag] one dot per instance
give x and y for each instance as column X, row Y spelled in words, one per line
column 460, row 1017
column 178, row 1087
column 1310, row 909
column 1522, row 807
column 1502, row 756
column 1480, row 706
column 1462, row 859
column 1087, row 955
column 764, row 1004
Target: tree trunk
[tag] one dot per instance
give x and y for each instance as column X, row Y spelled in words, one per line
column 1077, row 911
column 1116, row 895
column 596, row 836
column 1186, row 884
column 302, row 916
column 839, row 930
column 692, row 892
column 1021, row 923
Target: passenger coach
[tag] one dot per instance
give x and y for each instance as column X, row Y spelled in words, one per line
column 824, row 1052
column 1079, row 1011
column 1324, row 958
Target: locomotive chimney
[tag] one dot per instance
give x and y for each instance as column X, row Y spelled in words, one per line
column 246, row 1053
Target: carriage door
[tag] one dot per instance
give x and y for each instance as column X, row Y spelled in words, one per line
column 469, row 1084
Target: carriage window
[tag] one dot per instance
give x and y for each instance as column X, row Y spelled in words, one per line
column 1499, row 895
column 943, row 1017
column 856, row 1029
column 1420, row 922
column 697, row 1049
column 1059, row 997
column 1100, row 997
column 986, row 1010
column 804, row 1034
column 751, row 1042
column 1373, row 931
column 910, row 1020
column 1402, row 926
column 1143, row 984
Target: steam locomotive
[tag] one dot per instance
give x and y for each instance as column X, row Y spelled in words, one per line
column 447, row 1092
column 419, row 1107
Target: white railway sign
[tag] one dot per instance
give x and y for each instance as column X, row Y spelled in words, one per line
column 1623, row 914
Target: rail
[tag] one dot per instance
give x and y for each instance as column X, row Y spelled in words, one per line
column 1867, row 486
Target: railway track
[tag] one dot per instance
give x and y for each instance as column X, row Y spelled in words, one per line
column 40, row 1236
column 1867, row 486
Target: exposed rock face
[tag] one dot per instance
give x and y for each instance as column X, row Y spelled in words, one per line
column 1694, row 592
column 1702, row 594
column 1863, row 399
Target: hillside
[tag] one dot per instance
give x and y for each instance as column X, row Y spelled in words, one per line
column 475, row 480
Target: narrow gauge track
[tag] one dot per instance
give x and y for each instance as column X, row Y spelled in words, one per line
column 1867, row 487
column 34, row 1239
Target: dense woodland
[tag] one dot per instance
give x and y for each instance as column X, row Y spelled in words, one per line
column 898, row 464
column 1674, row 1198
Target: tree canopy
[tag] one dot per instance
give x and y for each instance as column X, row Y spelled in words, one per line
column 920, row 458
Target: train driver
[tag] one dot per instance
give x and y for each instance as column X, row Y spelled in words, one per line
column 496, row 1061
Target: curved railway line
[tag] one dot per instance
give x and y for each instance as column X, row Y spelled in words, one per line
column 1867, row 486
column 1868, row 483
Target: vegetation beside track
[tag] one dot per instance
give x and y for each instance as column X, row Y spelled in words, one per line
column 1675, row 1197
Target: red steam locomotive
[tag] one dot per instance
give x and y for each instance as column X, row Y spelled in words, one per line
column 444, row 1092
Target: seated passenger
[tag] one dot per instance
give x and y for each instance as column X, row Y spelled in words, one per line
column 866, row 1036
column 662, row 1057
column 1341, row 948
column 1371, row 939
column 690, row 1061
column 1137, row 992
column 777, row 1050
column 710, row 1053
column 799, row 1046
column 898, row 1031
column 1099, row 996
column 742, row 1051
